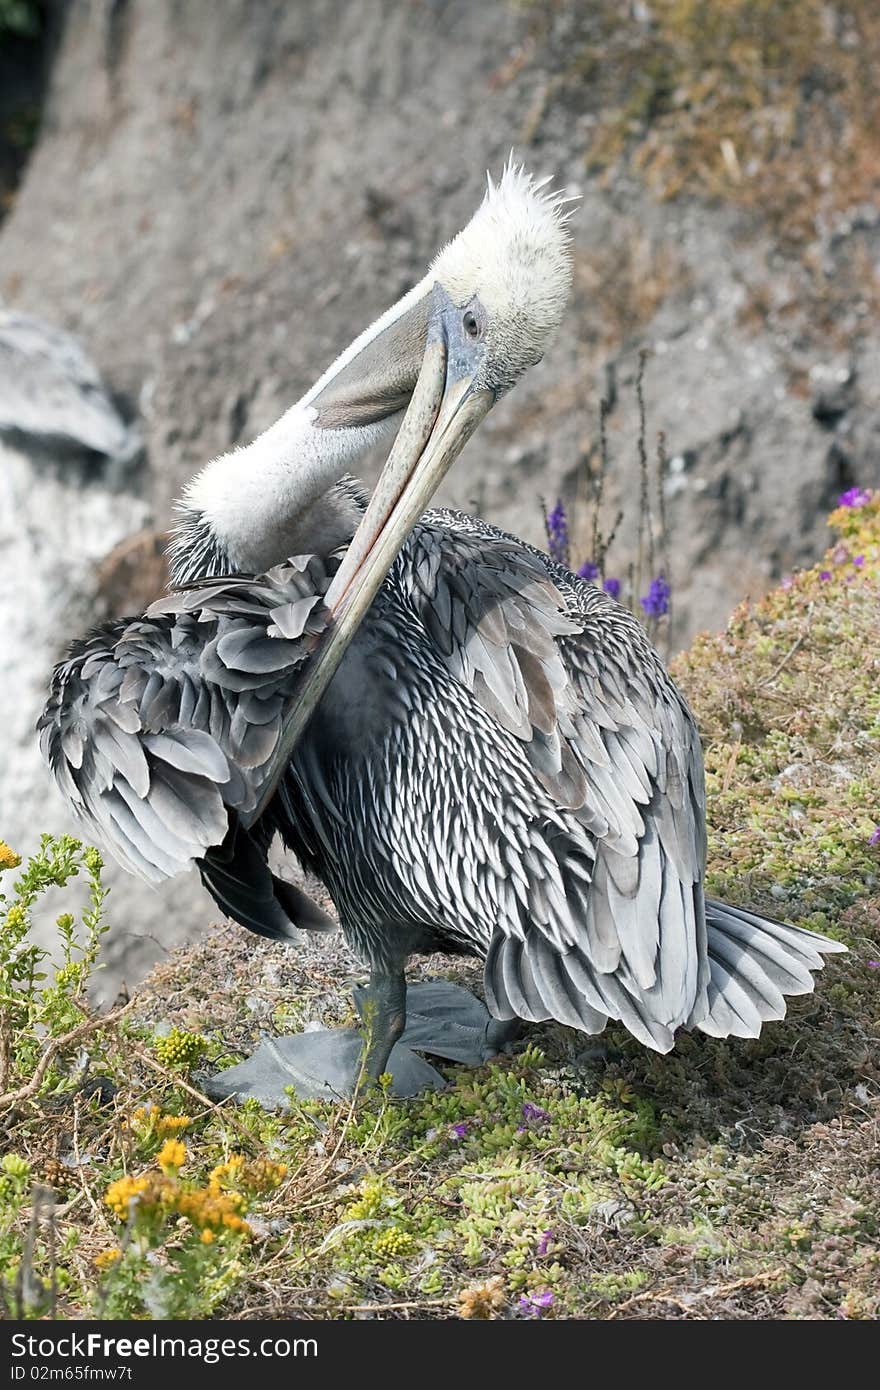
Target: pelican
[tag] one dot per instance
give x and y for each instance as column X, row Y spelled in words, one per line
column 476, row 751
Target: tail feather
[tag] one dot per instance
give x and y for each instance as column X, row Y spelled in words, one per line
column 753, row 963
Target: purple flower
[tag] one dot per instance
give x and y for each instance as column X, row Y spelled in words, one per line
column 533, row 1305
column 874, row 964
column 854, row 497
column 612, row 588
column 786, row 582
column 544, row 1242
column 533, row 1114
column 656, row 600
column 859, row 561
column 826, row 574
column 460, row 1130
column 874, row 837
column 588, row 570
column 557, row 533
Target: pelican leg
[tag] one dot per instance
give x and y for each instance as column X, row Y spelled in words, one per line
column 330, row 1063
column 445, row 1020
column 382, row 1007
column 325, row 1064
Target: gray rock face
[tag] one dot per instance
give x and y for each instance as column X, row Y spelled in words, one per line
column 52, row 400
column 73, row 486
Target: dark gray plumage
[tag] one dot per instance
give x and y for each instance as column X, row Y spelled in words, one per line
column 501, row 766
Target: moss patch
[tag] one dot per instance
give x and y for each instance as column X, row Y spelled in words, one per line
column 788, row 702
column 769, row 104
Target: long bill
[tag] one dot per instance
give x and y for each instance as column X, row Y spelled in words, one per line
column 444, row 411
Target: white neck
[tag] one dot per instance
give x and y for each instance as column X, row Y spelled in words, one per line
column 253, row 507
column 262, row 503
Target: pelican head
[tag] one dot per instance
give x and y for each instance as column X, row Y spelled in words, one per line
column 484, row 314
column 508, row 274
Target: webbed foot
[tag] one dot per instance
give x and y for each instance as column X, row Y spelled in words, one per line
column 442, row 1019
column 447, row 1021
column 322, row 1065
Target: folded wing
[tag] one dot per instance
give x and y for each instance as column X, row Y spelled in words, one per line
column 160, row 730
column 605, row 918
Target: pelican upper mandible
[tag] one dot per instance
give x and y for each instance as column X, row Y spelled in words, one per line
column 476, row 751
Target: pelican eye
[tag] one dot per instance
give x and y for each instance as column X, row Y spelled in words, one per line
column 471, row 326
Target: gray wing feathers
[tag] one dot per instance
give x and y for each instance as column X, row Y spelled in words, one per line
column 510, row 986
column 190, row 750
column 606, row 915
column 157, row 729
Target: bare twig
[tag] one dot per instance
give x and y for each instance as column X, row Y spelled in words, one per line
column 383, row 1307
column 198, row 1095
column 29, row 1287
column 768, row 680
column 313, row 1310
column 731, row 764
column 5, row 1048
column 79, row 1170
column 662, row 464
column 609, row 540
column 53, row 1263
column 645, row 528
column 752, row 1281
column 600, row 545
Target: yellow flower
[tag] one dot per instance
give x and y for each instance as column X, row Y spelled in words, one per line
column 171, row 1156
column 390, row 1243
column 152, row 1190
column 8, row 857
column 225, row 1174
column 143, row 1117
column 105, row 1259
column 122, row 1192
column 208, row 1209
column 151, row 1123
column 234, row 1223
column 179, row 1048
column 263, row 1175
column 253, row 1175
column 169, row 1125
column 207, row 1237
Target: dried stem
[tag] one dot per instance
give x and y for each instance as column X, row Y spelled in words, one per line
column 200, row 1096
column 600, row 545
column 752, row 1281
column 5, row 1048
column 662, row 468
column 608, row 540
column 645, row 528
